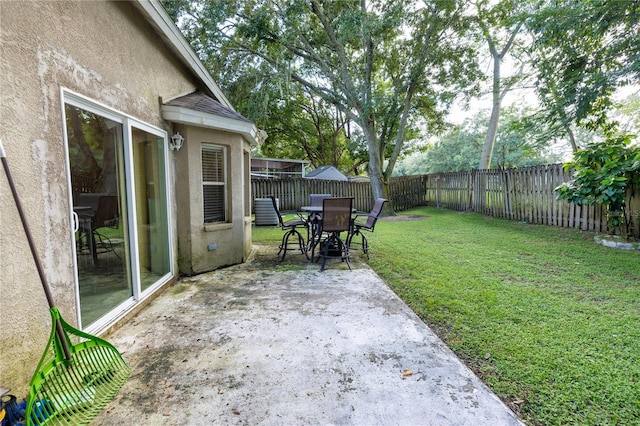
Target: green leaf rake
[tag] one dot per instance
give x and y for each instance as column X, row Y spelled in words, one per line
column 78, row 374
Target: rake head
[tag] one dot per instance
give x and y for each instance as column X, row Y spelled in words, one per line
column 73, row 391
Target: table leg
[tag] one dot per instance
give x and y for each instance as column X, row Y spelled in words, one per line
column 316, row 228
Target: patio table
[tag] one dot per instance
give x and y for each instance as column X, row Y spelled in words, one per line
column 315, row 223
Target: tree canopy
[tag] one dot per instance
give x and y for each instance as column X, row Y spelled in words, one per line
column 460, row 147
column 584, row 50
column 352, row 83
column 388, row 66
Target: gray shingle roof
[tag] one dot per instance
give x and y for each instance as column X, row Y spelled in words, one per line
column 198, row 101
column 326, row 173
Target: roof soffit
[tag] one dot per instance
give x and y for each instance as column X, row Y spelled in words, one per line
column 187, row 116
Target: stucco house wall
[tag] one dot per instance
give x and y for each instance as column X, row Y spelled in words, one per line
column 204, row 247
column 111, row 53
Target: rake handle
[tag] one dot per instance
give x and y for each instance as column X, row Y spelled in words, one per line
column 34, row 253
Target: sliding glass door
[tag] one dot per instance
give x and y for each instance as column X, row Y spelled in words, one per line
column 96, row 152
column 118, row 180
column 151, row 208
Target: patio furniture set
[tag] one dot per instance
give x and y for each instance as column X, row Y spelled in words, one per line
column 320, row 225
column 93, row 211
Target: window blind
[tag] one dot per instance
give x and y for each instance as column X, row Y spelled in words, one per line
column 213, row 183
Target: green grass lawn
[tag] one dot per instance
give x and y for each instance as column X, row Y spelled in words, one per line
column 547, row 318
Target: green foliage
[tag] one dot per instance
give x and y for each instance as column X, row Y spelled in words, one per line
column 356, row 57
column 603, row 172
column 352, row 83
column 628, row 114
column 459, row 149
column 299, row 124
column 583, row 51
column 305, row 127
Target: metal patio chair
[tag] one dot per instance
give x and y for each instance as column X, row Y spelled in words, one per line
column 372, row 218
column 336, row 218
column 97, row 211
column 292, row 228
column 314, row 219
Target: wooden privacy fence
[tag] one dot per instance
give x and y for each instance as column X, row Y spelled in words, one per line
column 523, row 194
column 407, row 192
column 294, row 193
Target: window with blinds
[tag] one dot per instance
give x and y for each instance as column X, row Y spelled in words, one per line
column 214, row 183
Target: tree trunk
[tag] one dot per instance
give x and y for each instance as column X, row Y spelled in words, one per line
column 490, row 139
column 572, row 139
column 379, row 185
column 497, row 93
column 375, row 168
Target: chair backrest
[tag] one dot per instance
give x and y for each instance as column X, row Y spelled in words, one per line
column 375, row 213
column 336, row 214
column 316, row 199
column 104, row 208
column 275, row 207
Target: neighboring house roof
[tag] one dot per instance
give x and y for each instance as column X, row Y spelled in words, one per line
column 326, row 173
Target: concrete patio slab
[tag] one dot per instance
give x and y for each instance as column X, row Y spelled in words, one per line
column 262, row 344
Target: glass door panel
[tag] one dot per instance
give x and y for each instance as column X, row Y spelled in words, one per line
column 95, row 146
column 151, row 206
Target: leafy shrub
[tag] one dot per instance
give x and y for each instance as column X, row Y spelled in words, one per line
column 603, row 173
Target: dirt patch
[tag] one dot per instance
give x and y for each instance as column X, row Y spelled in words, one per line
column 265, row 257
column 402, row 218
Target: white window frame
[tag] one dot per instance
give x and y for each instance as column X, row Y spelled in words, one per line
column 77, row 100
column 224, row 183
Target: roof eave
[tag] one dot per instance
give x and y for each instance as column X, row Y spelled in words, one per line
column 190, row 117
